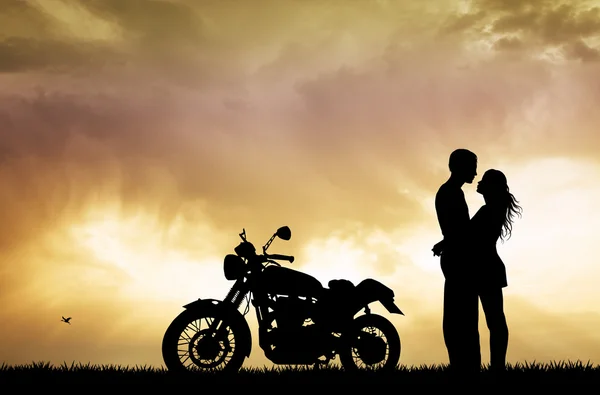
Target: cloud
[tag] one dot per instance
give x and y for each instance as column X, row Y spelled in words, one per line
column 22, row 19
column 463, row 22
column 155, row 39
column 580, row 50
column 204, row 42
column 336, row 126
column 508, row 43
column 553, row 26
column 534, row 25
column 154, row 23
column 323, row 142
column 24, row 54
column 513, row 5
column 61, row 150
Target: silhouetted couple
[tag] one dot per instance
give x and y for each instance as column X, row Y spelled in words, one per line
column 470, row 263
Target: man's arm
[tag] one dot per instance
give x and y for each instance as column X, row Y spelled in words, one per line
column 438, row 248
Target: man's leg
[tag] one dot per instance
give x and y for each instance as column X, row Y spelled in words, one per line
column 460, row 326
column 449, row 324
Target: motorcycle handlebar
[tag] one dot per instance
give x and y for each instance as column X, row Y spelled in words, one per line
column 281, row 257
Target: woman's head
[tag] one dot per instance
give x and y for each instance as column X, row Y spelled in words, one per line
column 494, row 188
column 493, row 184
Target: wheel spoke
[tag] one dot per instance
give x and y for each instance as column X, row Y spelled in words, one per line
column 355, row 352
column 198, row 349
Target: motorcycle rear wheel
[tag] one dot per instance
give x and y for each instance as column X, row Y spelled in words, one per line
column 372, row 343
column 188, row 346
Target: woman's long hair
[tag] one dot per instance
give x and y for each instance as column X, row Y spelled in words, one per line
column 501, row 195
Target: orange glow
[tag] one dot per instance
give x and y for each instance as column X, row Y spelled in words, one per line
column 132, row 157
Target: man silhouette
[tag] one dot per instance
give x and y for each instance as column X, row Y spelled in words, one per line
column 461, row 301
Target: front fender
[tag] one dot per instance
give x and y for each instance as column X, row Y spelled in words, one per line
column 203, row 303
column 229, row 311
column 370, row 290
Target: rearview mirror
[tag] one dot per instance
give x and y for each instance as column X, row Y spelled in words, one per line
column 284, row 233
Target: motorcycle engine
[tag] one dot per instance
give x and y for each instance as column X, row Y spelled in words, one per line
column 291, row 311
column 295, row 339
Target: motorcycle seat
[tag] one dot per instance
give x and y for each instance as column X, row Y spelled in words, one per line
column 341, row 285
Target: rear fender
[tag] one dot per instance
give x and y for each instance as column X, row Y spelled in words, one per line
column 227, row 310
column 369, row 291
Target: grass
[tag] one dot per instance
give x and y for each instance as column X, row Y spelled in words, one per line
column 554, row 376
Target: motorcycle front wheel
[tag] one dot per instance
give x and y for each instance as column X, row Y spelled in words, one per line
column 189, row 345
column 372, row 343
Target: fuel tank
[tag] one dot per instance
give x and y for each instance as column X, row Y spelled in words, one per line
column 284, row 281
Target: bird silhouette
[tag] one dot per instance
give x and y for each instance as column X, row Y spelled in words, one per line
column 66, row 320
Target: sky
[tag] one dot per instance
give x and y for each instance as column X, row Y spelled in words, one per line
column 138, row 138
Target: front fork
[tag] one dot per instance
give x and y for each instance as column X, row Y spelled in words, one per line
column 235, row 296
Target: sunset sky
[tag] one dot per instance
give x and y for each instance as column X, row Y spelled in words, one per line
column 138, row 138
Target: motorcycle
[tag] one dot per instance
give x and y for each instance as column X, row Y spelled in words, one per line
column 300, row 322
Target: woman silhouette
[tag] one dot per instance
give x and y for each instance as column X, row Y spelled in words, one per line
column 493, row 221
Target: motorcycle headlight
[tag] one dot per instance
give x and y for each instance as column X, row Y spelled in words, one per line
column 233, row 267
column 245, row 249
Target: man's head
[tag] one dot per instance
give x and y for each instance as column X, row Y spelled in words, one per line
column 463, row 165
